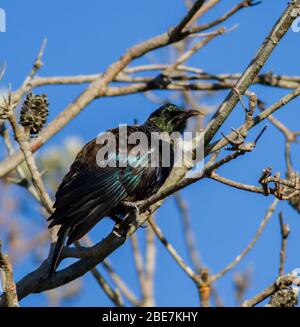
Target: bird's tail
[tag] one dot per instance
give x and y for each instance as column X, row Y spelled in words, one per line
column 57, row 251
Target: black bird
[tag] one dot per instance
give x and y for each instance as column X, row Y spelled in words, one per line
column 90, row 192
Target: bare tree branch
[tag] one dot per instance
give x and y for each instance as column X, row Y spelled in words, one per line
column 270, row 42
column 280, row 283
column 138, row 260
column 188, row 231
column 250, row 245
column 8, row 284
column 99, row 86
column 127, row 292
column 190, row 273
column 149, row 268
column 284, row 232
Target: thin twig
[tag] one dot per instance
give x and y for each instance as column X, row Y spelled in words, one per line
column 284, row 232
column 22, row 139
column 224, row 81
column 205, row 8
column 186, row 55
column 250, row 245
column 123, row 287
column 150, row 254
column 188, row 231
column 188, row 270
column 24, row 181
column 259, row 190
column 256, row 120
column 113, row 295
column 139, row 262
column 36, row 66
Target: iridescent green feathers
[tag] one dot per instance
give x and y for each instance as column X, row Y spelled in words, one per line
column 90, row 192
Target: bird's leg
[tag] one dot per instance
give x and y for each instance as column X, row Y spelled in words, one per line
column 136, row 211
column 133, row 205
column 130, row 221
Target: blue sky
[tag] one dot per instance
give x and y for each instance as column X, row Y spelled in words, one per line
column 85, row 37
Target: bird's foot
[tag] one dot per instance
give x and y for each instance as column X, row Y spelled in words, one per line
column 133, row 205
column 133, row 218
column 133, row 215
column 131, row 221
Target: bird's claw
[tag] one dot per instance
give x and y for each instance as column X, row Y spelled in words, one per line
column 133, row 219
column 132, row 205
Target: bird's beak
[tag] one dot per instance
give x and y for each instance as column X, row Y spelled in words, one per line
column 191, row 112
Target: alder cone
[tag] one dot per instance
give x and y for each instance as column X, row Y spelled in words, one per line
column 284, row 298
column 34, row 112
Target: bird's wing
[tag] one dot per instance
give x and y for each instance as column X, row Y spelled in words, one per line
column 89, row 192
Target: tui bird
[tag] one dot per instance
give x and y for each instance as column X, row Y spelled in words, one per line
column 90, row 192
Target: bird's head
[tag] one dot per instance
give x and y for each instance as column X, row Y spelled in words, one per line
column 170, row 118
